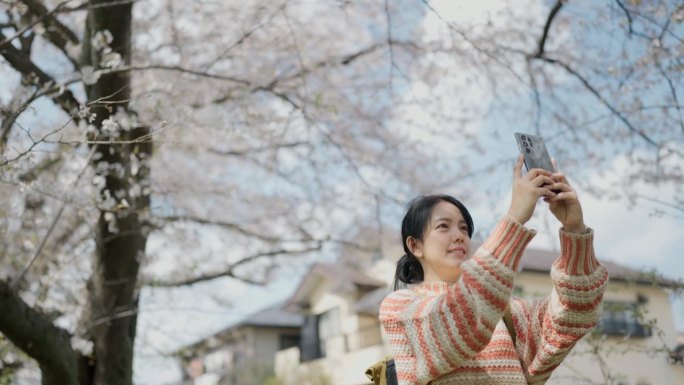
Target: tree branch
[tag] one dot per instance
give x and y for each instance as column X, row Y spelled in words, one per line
column 47, row 163
column 56, row 219
column 175, row 69
column 343, row 60
column 628, row 15
column 56, row 33
column 245, row 36
column 673, row 92
column 32, row 332
column 241, row 153
column 15, row 108
column 230, row 271
column 230, row 226
column 22, row 63
column 547, row 27
column 602, row 99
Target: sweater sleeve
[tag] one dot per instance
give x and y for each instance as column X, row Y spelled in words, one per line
column 549, row 327
column 432, row 335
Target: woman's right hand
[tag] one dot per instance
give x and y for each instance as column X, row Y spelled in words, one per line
column 527, row 190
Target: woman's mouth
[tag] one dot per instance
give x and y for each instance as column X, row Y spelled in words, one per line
column 458, row 251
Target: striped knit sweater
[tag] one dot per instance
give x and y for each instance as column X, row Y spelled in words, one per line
column 443, row 333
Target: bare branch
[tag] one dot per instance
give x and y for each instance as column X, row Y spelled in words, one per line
column 29, row 70
column 175, row 69
column 231, row 226
column 11, row 114
column 388, row 17
column 537, row 96
column 19, row 277
column 602, row 99
column 88, row 5
column 673, row 92
column 495, row 57
column 628, row 15
column 46, row 164
column 34, row 333
column 244, row 37
column 229, row 272
column 547, row 27
column 661, row 202
column 254, row 150
column 343, row 60
column 56, row 33
column 34, row 143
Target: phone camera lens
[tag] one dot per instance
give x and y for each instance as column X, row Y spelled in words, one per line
column 527, row 150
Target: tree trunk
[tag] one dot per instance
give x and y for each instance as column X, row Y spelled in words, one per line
column 120, row 238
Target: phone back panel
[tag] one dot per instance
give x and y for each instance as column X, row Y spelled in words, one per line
column 534, row 150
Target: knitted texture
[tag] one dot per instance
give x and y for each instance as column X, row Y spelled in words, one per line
column 445, row 333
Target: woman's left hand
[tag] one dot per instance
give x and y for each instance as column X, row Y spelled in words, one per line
column 565, row 206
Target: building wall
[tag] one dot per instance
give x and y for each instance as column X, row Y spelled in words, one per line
column 266, row 343
column 247, row 354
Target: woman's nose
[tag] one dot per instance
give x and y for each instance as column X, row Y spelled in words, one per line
column 458, row 235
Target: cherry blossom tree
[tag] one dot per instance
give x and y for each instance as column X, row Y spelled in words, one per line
column 283, row 128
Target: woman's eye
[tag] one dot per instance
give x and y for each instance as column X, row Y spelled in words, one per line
column 443, row 226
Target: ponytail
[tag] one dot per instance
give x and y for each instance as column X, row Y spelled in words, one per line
column 408, row 271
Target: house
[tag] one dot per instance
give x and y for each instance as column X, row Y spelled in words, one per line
column 341, row 335
column 241, row 354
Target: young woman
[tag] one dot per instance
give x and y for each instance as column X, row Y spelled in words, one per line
column 447, row 327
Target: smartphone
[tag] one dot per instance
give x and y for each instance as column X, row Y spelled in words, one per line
column 534, row 150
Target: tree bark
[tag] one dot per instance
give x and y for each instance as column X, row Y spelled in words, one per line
column 120, row 239
column 34, row 333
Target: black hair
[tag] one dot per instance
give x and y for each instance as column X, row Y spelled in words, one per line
column 415, row 223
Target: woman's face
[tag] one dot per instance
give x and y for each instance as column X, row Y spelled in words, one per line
column 445, row 244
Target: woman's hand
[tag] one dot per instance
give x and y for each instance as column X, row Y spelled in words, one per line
column 527, row 190
column 565, row 205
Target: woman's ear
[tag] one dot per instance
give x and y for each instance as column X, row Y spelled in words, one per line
column 415, row 246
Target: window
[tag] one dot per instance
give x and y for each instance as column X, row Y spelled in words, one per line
column 309, row 345
column 677, row 355
column 316, row 330
column 623, row 319
column 288, row 341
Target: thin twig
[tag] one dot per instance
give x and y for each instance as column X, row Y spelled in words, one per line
column 19, row 277
column 628, row 15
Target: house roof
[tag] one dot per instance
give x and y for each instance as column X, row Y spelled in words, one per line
column 540, row 261
column 275, row 316
column 370, row 303
column 336, row 273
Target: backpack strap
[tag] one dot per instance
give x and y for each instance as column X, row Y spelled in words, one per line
column 391, row 375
